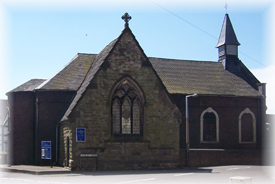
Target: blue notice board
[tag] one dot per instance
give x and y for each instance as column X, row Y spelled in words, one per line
column 80, row 134
column 46, row 150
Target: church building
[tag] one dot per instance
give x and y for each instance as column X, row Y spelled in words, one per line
column 121, row 109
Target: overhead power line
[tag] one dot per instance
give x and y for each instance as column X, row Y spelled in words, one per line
column 202, row 30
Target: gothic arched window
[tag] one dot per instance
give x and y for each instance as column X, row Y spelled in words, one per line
column 247, row 127
column 209, row 125
column 127, row 109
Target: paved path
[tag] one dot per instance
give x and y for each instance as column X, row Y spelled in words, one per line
column 37, row 170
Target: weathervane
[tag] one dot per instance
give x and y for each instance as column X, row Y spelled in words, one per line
column 126, row 17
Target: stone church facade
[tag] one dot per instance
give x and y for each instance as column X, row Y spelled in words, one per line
column 120, row 109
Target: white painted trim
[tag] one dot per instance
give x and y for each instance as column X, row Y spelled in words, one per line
column 247, row 110
column 209, row 110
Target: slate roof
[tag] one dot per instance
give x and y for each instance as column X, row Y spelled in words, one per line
column 72, row 75
column 227, row 35
column 94, row 68
column 201, row 77
column 178, row 76
column 182, row 77
column 28, row 86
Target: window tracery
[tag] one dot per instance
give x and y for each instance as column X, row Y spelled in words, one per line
column 127, row 109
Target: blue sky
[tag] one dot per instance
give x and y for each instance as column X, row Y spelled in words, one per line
column 41, row 37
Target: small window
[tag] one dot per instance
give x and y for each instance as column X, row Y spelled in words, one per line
column 247, row 127
column 209, row 126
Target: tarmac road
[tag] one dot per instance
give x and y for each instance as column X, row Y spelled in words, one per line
column 203, row 175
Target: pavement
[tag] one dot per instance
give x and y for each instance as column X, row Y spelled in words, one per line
column 210, row 175
column 36, row 170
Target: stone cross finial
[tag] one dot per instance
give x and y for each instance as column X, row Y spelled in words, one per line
column 126, row 17
column 226, row 6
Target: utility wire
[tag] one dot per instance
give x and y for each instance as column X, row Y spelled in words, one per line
column 253, row 59
column 202, row 30
column 184, row 20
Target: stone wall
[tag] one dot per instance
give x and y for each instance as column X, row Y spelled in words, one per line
column 65, row 144
column 158, row 147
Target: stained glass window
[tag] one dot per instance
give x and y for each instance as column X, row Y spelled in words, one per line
column 126, row 117
column 136, row 118
column 127, row 108
column 116, row 116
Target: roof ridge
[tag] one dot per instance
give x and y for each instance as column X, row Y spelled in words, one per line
column 86, row 53
column 201, row 78
column 187, row 60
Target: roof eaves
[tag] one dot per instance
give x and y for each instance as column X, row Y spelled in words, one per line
column 28, row 86
column 220, row 95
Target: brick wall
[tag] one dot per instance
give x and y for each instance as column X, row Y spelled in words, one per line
column 228, row 110
column 20, row 141
column 217, row 157
column 50, row 109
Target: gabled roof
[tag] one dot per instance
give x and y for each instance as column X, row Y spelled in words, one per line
column 178, row 76
column 227, row 35
column 71, row 76
column 234, row 65
column 28, row 86
column 100, row 58
column 94, row 68
column 201, row 77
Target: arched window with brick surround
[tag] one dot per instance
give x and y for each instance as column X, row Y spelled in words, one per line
column 127, row 109
column 209, row 126
column 247, row 126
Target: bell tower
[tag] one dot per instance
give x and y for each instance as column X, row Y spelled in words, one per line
column 228, row 42
column 228, row 54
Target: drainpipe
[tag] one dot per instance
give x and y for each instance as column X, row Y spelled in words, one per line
column 187, row 127
column 56, row 143
column 36, row 138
